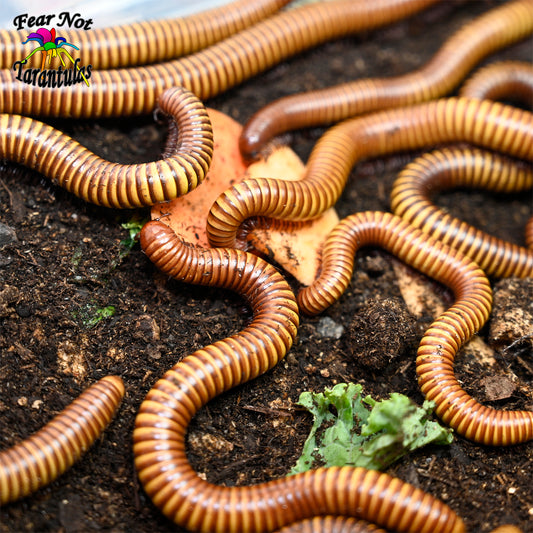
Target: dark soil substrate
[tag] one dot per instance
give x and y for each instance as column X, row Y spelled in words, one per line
column 68, row 261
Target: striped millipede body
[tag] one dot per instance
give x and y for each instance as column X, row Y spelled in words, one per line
column 163, row 418
column 207, row 72
column 445, row 336
column 487, row 124
column 507, row 528
column 529, row 233
column 184, row 165
column 147, row 42
column 331, row 524
column 502, row 80
column 41, row 458
column 338, row 524
column 449, row 168
column 490, row 32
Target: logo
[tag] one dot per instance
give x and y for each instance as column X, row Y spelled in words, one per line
column 53, row 49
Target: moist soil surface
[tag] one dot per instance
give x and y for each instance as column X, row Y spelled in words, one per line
column 69, row 262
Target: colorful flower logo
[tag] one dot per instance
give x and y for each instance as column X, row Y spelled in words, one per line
column 51, row 46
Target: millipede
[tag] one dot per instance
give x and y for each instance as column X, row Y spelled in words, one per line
column 484, row 123
column 448, row 168
column 150, row 41
column 206, row 73
column 501, row 80
column 185, row 162
column 445, row 336
column 41, row 458
column 331, row 524
column 491, row 31
column 162, row 420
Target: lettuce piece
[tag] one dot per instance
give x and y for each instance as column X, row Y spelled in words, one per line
column 346, row 432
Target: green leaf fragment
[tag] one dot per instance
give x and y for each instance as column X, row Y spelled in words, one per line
column 346, row 432
column 134, row 227
column 93, row 317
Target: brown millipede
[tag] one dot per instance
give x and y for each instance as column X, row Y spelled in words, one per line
column 41, row 458
column 445, row 336
column 163, row 418
column 72, row 166
column 507, row 528
column 486, row 34
column 208, row 72
column 529, row 233
column 447, row 168
column 331, row 524
column 502, row 80
column 482, row 122
column 147, row 42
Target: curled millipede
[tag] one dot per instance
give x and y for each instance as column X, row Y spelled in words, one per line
column 331, row 524
column 147, row 42
column 494, row 30
column 72, row 166
column 208, row 72
column 502, row 80
column 41, row 458
column 482, row 122
column 161, row 424
column 445, row 336
column 447, row 168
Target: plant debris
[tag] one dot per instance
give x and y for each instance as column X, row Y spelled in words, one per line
column 346, row 433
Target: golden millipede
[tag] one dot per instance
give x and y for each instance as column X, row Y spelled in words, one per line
column 331, row 524
column 206, row 73
column 502, row 80
column 342, row 524
column 448, row 168
column 507, row 528
column 529, row 233
column 161, row 424
column 145, row 42
column 445, row 336
column 185, row 162
column 487, row 124
column 41, row 458
column 491, row 31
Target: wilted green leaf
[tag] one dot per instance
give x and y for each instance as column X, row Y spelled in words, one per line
column 134, row 227
column 346, row 432
column 91, row 316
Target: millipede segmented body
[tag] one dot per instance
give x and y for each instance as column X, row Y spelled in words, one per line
column 494, row 30
column 147, row 42
column 41, row 458
column 447, row 168
column 163, row 418
column 184, row 165
column 445, row 336
column 487, row 124
column 502, row 80
column 529, row 233
column 207, row 72
column 331, row 524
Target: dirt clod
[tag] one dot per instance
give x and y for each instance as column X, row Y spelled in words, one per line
column 381, row 332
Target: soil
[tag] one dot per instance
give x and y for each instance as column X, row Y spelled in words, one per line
column 68, row 261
